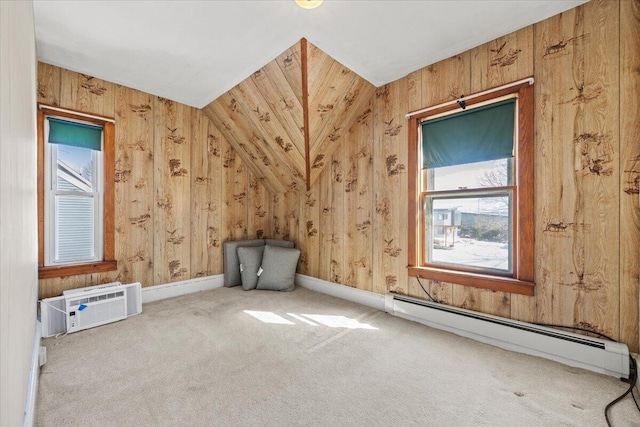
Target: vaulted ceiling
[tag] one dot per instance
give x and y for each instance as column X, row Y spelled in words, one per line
column 195, row 51
column 266, row 116
column 284, row 116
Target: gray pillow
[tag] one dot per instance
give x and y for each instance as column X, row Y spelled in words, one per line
column 278, row 268
column 250, row 260
column 280, row 243
column 231, row 263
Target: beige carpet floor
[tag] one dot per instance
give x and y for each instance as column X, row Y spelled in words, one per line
column 232, row 358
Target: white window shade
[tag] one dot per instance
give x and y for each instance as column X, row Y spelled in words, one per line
column 74, row 228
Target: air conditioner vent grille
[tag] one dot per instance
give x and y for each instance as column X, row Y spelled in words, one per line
column 96, row 298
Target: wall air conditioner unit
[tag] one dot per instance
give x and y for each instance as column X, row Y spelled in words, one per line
column 83, row 308
column 603, row 356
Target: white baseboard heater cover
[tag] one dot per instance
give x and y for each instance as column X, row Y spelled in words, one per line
column 594, row 354
column 84, row 308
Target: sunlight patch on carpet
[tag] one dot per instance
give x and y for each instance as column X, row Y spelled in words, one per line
column 338, row 321
column 328, row 320
column 269, row 317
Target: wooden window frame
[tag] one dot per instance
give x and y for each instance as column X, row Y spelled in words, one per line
column 108, row 262
column 521, row 281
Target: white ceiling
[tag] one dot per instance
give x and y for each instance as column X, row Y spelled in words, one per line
column 194, row 51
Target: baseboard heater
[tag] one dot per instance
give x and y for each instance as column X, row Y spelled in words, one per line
column 84, row 308
column 594, row 354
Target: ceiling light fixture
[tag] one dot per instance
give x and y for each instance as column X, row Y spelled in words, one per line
column 309, row 4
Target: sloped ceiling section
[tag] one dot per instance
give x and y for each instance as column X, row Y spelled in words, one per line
column 336, row 96
column 263, row 117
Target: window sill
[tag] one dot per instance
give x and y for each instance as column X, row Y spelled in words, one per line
column 74, row 270
column 484, row 281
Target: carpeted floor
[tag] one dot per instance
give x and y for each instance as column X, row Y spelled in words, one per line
column 232, row 358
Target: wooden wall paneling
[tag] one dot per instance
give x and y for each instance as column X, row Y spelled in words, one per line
column 446, row 80
column 332, row 219
column 358, row 200
column 87, row 94
column 275, row 142
column 326, row 212
column 279, row 227
column 48, row 84
column 483, row 300
column 287, row 212
column 319, row 64
column 258, row 205
column 595, row 98
column 226, row 115
column 362, row 155
column 338, row 230
column 236, row 176
column 292, row 217
column 283, row 102
column 310, row 225
column 200, row 201
column 352, row 261
column 553, row 239
column 229, row 157
column 336, row 80
column 284, row 208
column 582, row 42
column 390, row 183
column 629, row 172
column 600, row 183
column 172, row 211
column 55, row 286
column 345, row 113
column 263, row 116
column 290, row 63
column 134, row 186
column 49, row 287
column 503, row 60
column 207, row 197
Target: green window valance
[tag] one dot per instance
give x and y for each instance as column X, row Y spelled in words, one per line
column 477, row 135
column 75, row 134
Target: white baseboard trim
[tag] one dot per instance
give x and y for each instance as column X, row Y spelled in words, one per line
column 34, row 374
column 370, row 299
column 170, row 290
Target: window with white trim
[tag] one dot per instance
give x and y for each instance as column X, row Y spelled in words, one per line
column 73, row 192
column 76, row 193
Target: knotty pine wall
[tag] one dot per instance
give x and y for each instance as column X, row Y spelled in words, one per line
column 180, row 188
column 351, row 225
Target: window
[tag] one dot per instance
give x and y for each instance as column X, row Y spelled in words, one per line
column 75, row 197
column 471, row 188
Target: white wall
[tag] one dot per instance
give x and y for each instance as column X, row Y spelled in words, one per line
column 18, row 216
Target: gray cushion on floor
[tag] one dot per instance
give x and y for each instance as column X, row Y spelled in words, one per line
column 231, row 263
column 278, row 268
column 250, row 260
column 280, row 243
